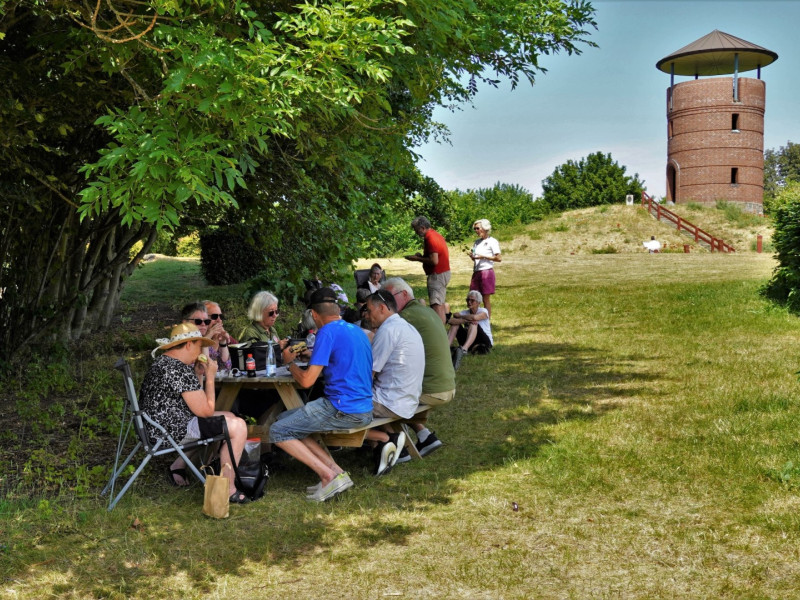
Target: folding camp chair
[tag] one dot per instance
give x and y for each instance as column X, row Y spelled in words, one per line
column 133, row 416
column 362, row 276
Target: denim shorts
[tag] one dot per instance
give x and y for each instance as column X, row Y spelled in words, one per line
column 317, row 415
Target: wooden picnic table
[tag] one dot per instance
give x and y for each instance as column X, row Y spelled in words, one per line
column 230, row 387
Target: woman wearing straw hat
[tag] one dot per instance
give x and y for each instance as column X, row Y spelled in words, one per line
column 173, row 396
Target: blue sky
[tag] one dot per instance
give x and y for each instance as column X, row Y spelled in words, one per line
column 612, row 98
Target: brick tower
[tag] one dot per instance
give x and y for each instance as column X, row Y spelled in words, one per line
column 715, row 126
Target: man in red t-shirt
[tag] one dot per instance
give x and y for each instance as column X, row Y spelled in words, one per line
column 435, row 261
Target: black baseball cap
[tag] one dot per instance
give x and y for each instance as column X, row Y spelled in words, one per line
column 323, row 295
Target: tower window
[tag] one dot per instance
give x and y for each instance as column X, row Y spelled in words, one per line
column 734, row 176
column 735, row 122
column 670, row 129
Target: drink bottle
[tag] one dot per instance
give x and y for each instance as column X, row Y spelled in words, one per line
column 271, row 361
column 250, row 366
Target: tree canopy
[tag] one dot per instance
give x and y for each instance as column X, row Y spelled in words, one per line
column 293, row 119
column 781, row 167
column 592, row 181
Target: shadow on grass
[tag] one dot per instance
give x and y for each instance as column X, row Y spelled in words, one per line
column 508, row 406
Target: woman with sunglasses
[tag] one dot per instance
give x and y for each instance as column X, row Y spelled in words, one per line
column 262, row 312
column 485, row 252
column 471, row 328
column 196, row 313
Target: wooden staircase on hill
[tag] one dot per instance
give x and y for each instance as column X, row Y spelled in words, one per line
column 661, row 213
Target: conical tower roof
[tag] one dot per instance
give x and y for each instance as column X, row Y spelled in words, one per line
column 713, row 54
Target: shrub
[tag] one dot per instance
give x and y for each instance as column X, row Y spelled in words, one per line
column 592, row 181
column 784, row 287
column 189, row 245
column 609, row 249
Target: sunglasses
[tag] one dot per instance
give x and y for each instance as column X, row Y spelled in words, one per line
column 272, row 313
column 469, row 300
column 199, row 321
column 215, row 316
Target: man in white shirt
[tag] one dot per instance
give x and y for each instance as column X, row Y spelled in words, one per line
column 653, row 246
column 398, row 365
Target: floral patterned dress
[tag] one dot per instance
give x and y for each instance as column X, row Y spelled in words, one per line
column 161, row 395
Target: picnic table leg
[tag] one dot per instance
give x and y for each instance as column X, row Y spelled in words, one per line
column 227, row 396
column 410, row 446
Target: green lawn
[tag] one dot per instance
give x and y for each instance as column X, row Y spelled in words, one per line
column 638, row 409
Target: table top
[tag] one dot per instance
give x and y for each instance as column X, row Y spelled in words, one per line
column 256, row 379
column 282, row 375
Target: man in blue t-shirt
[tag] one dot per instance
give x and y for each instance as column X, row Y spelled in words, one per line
column 343, row 356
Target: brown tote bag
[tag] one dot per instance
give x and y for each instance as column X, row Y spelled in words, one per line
column 216, row 503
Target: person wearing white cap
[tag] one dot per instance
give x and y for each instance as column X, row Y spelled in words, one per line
column 173, row 395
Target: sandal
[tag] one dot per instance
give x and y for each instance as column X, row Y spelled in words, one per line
column 180, row 473
column 238, row 497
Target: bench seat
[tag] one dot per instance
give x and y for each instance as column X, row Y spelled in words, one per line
column 354, row 438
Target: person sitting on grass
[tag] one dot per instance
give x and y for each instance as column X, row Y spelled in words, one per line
column 471, row 328
column 342, row 355
column 398, row 364
column 173, row 395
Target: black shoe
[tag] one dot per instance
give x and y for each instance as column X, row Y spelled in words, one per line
column 404, row 456
column 458, row 354
column 430, row 444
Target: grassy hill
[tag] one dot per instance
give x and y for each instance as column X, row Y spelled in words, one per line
column 622, row 229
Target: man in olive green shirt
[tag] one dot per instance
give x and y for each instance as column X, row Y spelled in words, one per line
column 439, row 378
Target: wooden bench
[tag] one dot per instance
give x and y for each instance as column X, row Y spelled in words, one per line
column 355, row 437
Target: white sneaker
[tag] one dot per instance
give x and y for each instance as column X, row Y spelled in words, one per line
column 337, row 485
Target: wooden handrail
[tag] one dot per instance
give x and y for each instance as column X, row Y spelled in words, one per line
column 700, row 236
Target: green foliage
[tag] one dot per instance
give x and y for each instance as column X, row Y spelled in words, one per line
column 592, row 181
column 781, row 167
column 165, row 243
column 784, row 287
column 503, row 204
column 790, row 192
column 229, row 256
column 189, row 245
column 296, row 119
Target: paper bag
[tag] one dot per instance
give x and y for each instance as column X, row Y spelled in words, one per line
column 215, row 501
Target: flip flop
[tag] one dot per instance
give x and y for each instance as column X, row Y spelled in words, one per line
column 171, row 476
column 238, row 497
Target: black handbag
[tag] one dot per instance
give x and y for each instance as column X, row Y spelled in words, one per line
column 251, row 477
column 259, row 351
